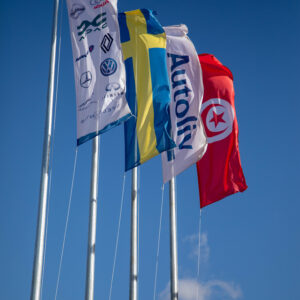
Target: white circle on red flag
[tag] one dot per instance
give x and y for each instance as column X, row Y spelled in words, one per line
column 218, row 116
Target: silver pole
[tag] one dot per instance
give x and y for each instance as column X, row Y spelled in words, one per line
column 90, row 267
column 133, row 242
column 173, row 241
column 40, row 230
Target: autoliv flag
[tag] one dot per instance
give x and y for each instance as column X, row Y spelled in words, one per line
column 186, row 97
column 98, row 66
column 148, row 92
column 220, row 172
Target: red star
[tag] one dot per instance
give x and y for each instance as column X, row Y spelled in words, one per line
column 217, row 118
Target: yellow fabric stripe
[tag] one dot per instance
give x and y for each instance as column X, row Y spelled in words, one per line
column 138, row 47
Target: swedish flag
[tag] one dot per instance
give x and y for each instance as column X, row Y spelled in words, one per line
column 148, row 91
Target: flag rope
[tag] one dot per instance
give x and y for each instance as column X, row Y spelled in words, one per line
column 138, row 216
column 199, row 252
column 66, row 224
column 52, row 150
column 158, row 241
column 117, row 240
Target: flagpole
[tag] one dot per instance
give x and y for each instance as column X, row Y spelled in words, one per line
column 40, row 229
column 133, row 292
column 173, row 241
column 90, row 266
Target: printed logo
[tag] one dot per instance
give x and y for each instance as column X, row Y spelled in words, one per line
column 99, row 3
column 218, row 116
column 106, row 43
column 182, row 95
column 112, row 87
column 97, row 114
column 113, row 91
column 87, row 27
column 76, row 10
column 86, row 104
column 86, row 79
column 108, row 67
column 91, row 48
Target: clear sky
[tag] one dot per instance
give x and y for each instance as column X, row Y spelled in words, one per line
column 250, row 241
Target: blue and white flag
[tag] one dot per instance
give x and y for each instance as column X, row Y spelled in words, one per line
column 98, row 66
column 186, row 98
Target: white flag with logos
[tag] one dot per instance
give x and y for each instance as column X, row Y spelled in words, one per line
column 98, row 67
column 186, row 98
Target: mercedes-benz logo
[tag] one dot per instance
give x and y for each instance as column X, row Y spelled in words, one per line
column 86, row 79
column 218, row 116
column 108, row 67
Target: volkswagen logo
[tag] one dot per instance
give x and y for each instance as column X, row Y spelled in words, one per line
column 108, row 67
column 86, row 79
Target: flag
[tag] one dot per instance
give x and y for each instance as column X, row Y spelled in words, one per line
column 219, row 171
column 186, row 97
column 148, row 91
column 98, row 67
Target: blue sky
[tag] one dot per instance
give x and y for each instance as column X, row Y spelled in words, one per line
column 250, row 241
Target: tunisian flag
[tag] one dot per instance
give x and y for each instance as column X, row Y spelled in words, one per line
column 219, row 171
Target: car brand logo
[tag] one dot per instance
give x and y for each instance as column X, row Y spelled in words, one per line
column 106, row 43
column 86, row 104
column 76, row 10
column 99, row 3
column 86, row 79
column 218, row 116
column 108, row 67
column 91, row 48
column 87, row 27
column 114, row 86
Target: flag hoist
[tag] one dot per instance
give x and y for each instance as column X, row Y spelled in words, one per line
column 148, row 94
column 100, row 84
column 187, row 130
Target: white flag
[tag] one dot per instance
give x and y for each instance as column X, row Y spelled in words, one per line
column 186, row 97
column 98, row 67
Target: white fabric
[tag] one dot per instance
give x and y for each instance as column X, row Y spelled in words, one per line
column 186, row 98
column 98, row 64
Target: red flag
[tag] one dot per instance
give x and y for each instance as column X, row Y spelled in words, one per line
column 219, row 171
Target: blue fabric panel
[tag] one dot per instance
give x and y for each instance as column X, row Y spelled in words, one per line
column 132, row 154
column 124, row 32
column 161, row 99
column 153, row 26
column 91, row 135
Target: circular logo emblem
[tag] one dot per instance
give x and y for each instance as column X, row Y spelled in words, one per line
column 108, row 67
column 112, row 87
column 86, row 79
column 218, row 116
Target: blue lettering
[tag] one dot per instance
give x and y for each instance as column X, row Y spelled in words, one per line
column 178, row 60
column 178, row 82
column 185, row 139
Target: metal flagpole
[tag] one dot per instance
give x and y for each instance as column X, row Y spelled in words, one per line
column 173, row 241
column 40, row 230
column 133, row 242
column 90, row 268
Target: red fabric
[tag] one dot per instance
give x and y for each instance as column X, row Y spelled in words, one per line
column 219, row 171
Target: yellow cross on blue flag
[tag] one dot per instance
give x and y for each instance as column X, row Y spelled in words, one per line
column 143, row 43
